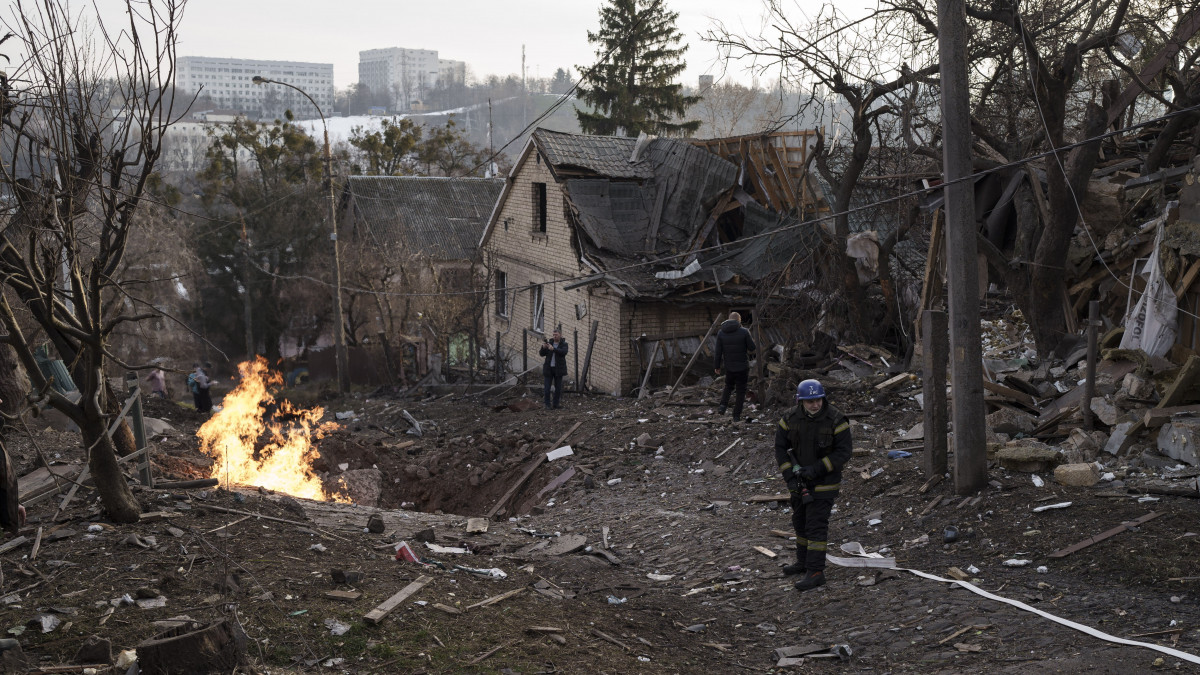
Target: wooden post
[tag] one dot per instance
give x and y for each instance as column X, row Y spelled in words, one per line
column 934, row 345
column 962, row 272
column 139, row 430
column 642, row 392
column 498, row 366
column 575, row 349
column 696, row 354
column 525, row 349
column 587, row 360
column 1089, row 386
column 760, row 358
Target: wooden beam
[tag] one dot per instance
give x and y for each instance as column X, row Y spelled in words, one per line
column 1104, row 535
column 533, row 466
column 1188, row 278
column 1156, row 417
column 379, row 613
column 695, row 355
column 649, row 369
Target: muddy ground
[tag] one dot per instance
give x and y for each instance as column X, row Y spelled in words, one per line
column 718, row 604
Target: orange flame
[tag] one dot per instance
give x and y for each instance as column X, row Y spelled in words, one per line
column 285, row 454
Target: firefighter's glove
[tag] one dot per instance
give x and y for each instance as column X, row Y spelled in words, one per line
column 793, row 484
column 807, row 473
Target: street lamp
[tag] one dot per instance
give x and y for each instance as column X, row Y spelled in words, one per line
column 339, row 333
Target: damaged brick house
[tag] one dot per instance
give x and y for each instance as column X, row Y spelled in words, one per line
column 645, row 241
column 415, row 235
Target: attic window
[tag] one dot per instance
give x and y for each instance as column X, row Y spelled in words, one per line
column 539, row 207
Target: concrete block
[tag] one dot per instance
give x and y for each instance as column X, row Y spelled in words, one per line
column 1028, row 456
column 1011, row 422
column 1119, row 440
column 1180, row 440
column 1106, row 412
column 1076, row 475
column 1138, row 387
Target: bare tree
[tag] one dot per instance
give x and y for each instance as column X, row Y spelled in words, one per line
column 723, row 107
column 856, row 84
column 83, row 120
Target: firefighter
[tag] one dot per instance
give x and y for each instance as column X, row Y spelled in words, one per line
column 812, row 444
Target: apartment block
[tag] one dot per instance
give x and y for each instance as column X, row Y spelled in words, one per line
column 229, row 83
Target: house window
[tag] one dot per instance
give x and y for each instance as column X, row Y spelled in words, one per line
column 539, row 207
column 501, row 294
column 539, row 309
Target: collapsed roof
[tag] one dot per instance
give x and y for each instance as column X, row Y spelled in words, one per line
column 633, row 201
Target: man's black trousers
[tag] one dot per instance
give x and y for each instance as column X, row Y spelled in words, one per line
column 735, row 379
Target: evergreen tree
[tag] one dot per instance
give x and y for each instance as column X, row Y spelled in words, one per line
column 632, row 87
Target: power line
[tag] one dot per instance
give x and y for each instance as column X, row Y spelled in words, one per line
column 919, row 192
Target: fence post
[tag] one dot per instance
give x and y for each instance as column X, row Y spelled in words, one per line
column 139, row 430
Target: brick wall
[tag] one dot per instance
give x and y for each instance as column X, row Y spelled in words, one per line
column 530, row 257
column 658, row 319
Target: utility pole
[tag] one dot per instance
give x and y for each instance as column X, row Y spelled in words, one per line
column 962, row 272
column 524, row 93
column 339, row 330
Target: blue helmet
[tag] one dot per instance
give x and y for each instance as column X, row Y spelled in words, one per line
column 809, row 390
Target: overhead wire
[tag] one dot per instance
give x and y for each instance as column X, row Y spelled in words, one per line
column 919, row 192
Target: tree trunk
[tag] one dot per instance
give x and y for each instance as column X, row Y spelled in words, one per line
column 14, row 381
column 1047, row 278
column 114, row 491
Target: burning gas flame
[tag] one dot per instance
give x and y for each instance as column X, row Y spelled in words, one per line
column 252, row 449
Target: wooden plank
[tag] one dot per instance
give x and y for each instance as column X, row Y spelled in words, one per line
column 761, row 499
column 41, row 483
column 1156, row 417
column 1179, row 389
column 587, row 360
column 1011, row 394
column 1188, row 278
column 765, row 551
column 695, row 355
column 446, row 608
column 497, row 598
column 931, row 284
column 557, row 482
column 1105, row 535
column 379, row 613
column 343, row 595
column 902, row 378
column 533, row 466
column 12, row 544
column 642, row 391
column 37, row 544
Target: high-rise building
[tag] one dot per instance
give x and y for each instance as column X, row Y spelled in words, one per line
column 229, row 83
column 402, row 76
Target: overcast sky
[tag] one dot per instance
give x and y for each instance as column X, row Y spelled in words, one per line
column 487, row 34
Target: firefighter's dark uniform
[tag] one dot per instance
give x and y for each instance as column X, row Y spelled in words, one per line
column 821, row 442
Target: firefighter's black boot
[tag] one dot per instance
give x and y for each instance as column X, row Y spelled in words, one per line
column 810, row 581
column 795, row 568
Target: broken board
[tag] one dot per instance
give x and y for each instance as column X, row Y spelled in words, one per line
column 379, row 613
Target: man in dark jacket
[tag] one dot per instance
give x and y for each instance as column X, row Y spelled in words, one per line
column 734, row 347
column 812, row 444
column 554, row 368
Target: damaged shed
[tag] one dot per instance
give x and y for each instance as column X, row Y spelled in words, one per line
column 639, row 242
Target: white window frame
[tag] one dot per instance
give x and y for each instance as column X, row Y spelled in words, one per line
column 537, row 302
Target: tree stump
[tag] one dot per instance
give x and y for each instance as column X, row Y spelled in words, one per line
column 186, row 650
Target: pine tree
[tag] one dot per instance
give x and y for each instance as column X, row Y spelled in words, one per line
column 631, row 88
